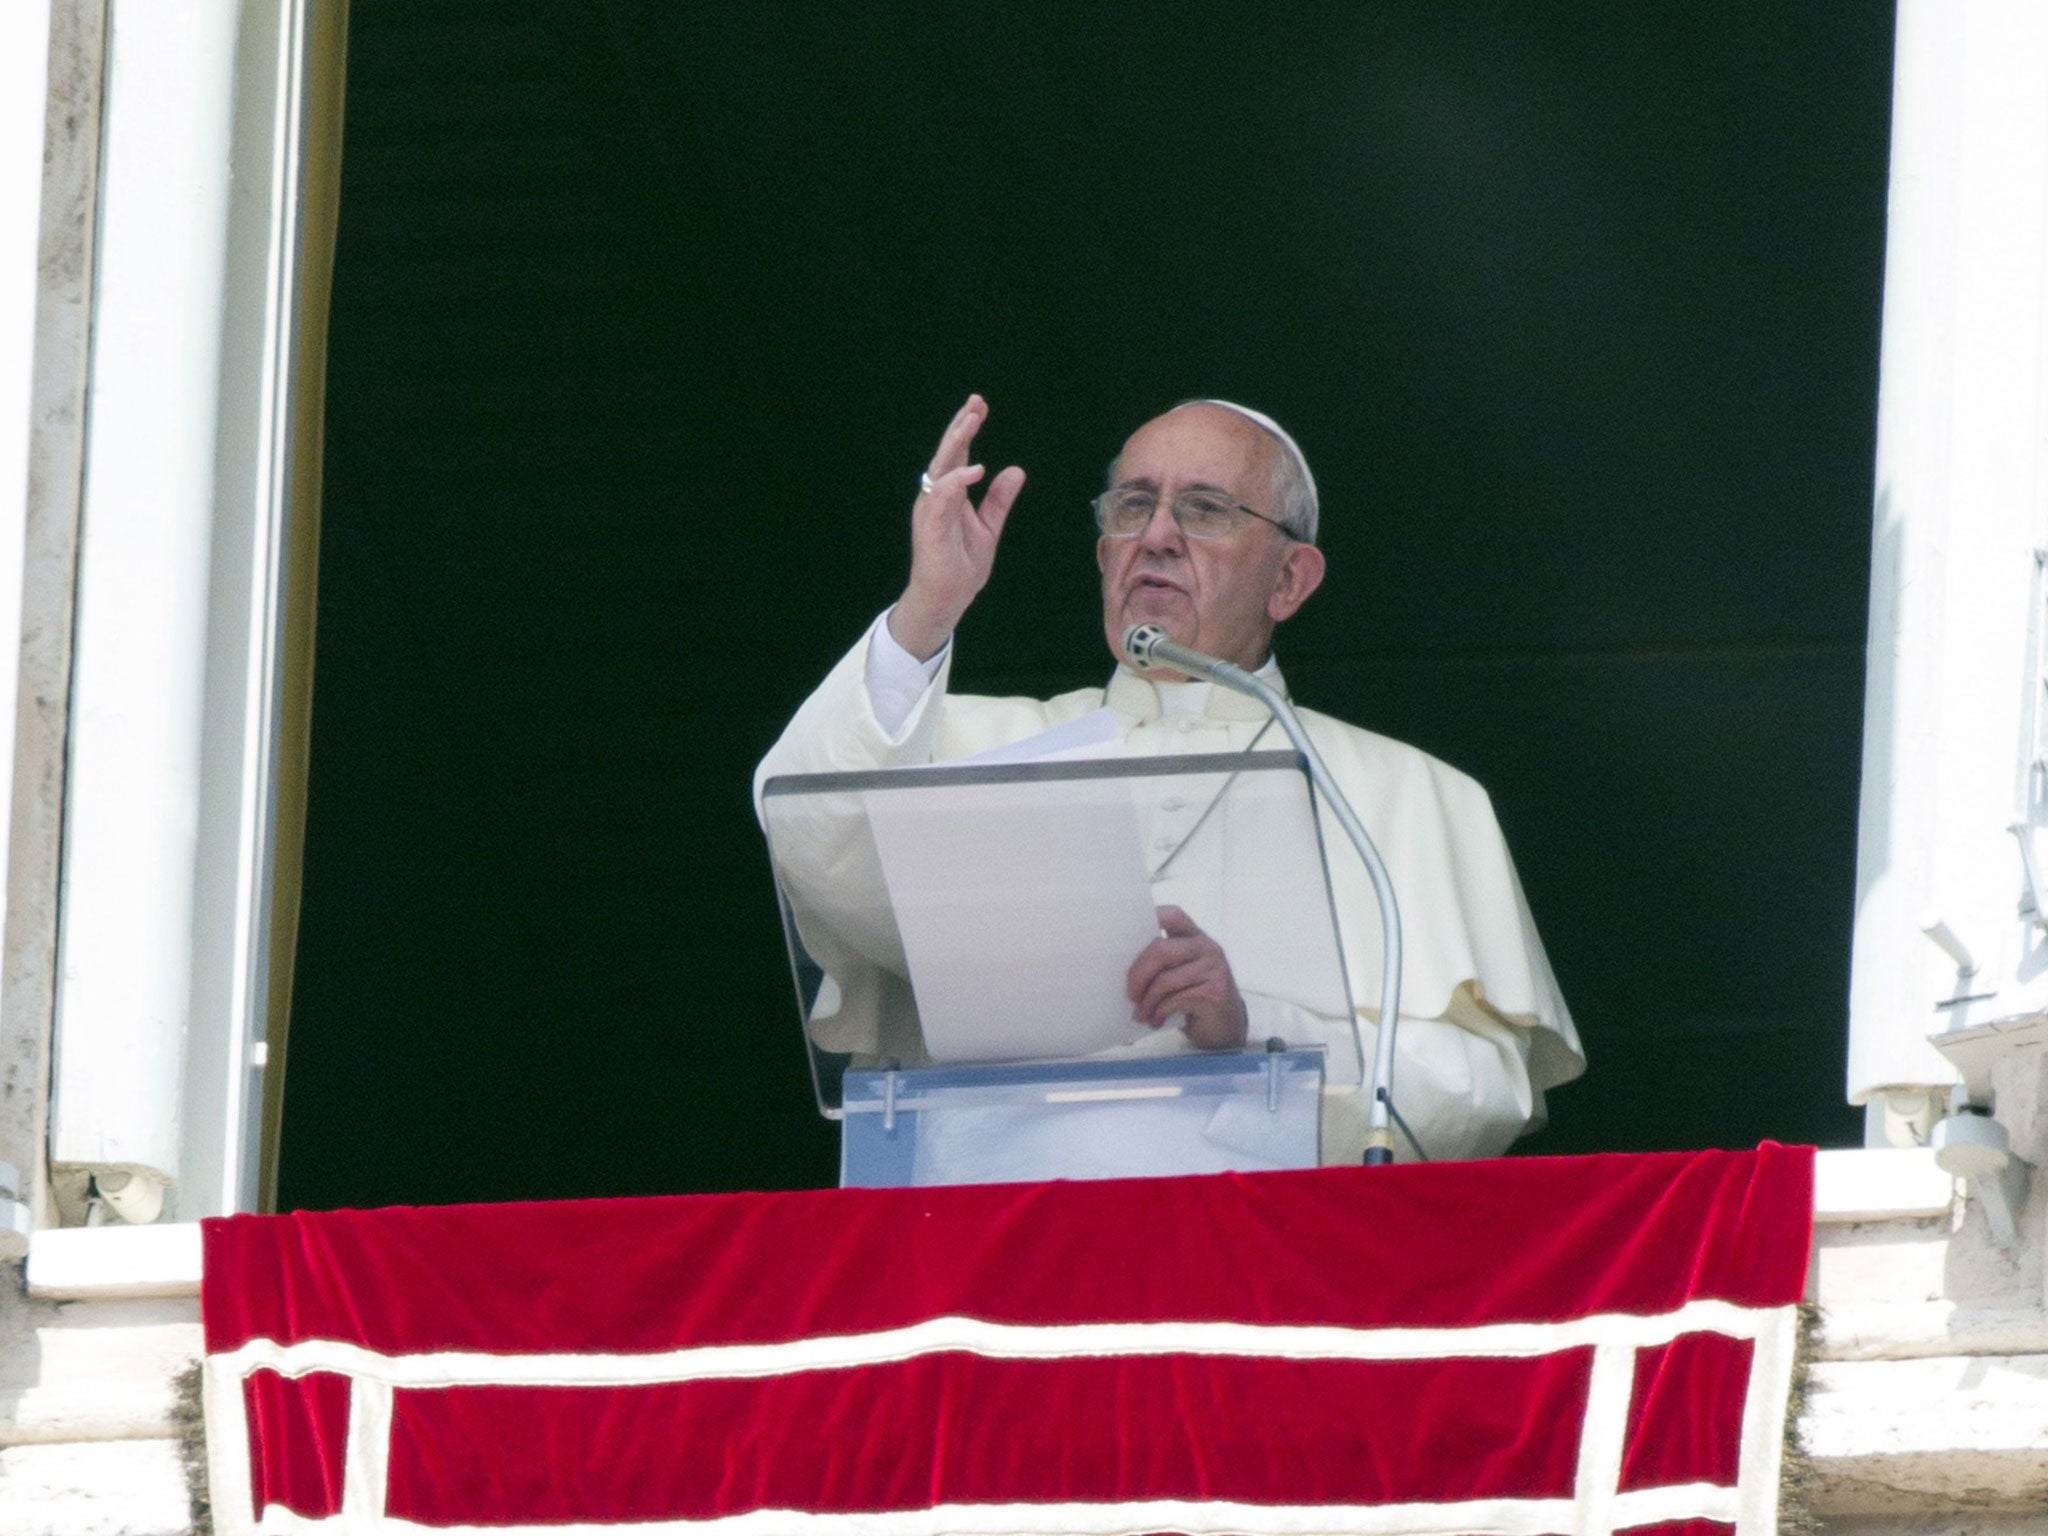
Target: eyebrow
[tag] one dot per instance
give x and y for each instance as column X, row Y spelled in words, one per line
column 1148, row 483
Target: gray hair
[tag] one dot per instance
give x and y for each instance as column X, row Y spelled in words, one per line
column 1294, row 487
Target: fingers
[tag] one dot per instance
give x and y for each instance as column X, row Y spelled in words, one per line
column 1000, row 496
column 950, row 473
column 1187, row 973
column 1183, row 942
column 952, row 541
column 1200, row 981
column 1202, row 994
column 1153, row 960
column 1219, row 1026
column 948, row 496
column 952, row 484
column 958, row 437
column 1171, row 966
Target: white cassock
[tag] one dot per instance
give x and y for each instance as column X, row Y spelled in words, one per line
column 1484, row 1031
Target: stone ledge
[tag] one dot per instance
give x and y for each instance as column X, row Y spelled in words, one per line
column 129, row 1487
column 139, row 1410
column 1879, row 1184
column 86, row 1263
column 1929, row 1330
column 1956, row 1434
column 92, row 1370
column 1932, row 1524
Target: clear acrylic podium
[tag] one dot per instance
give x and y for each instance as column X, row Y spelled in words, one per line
column 960, row 995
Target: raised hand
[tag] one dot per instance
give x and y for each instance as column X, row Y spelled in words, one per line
column 952, row 541
column 1186, row 973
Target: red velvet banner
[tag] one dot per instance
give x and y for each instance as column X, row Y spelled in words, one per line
column 1540, row 1344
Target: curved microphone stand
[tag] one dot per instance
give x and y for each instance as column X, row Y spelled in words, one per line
column 1147, row 646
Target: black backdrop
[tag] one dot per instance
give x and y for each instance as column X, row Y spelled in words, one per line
column 646, row 315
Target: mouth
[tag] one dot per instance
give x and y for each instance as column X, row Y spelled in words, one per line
column 1151, row 583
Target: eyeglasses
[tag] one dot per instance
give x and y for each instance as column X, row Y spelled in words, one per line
column 1127, row 512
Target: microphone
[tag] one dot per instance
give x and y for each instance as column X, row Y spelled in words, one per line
column 1147, row 646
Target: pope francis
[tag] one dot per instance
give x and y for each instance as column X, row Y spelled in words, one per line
column 1208, row 529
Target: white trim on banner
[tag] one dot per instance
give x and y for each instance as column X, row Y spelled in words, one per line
column 1597, row 1508
column 1000, row 1341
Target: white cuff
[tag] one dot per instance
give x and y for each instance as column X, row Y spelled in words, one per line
column 896, row 680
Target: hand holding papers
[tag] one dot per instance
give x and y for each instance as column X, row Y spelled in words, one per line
column 1006, row 911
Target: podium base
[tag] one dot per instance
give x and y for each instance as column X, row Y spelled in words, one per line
column 1022, row 1122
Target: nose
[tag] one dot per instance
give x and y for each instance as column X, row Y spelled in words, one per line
column 1163, row 531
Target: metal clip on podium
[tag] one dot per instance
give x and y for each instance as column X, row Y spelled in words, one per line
column 936, row 1020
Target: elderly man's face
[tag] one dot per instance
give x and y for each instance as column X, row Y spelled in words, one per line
column 1222, row 596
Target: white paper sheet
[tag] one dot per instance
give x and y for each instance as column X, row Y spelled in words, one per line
column 1085, row 736
column 1021, row 908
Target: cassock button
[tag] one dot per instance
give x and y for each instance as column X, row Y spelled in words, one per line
column 1174, row 803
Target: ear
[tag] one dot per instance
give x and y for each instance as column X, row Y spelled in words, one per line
column 1301, row 572
column 1102, row 554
